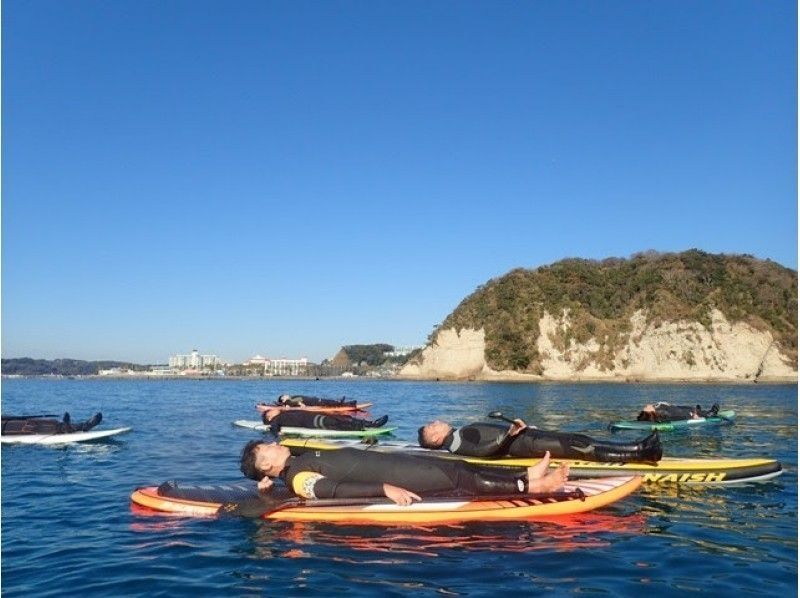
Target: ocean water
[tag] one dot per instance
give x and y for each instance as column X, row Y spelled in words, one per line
column 68, row 528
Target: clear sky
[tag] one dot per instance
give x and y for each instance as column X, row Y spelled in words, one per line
column 287, row 177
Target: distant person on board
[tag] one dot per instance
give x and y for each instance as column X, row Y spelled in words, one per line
column 403, row 478
column 306, row 401
column 276, row 419
column 664, row 412
column 38, row 424
column 519, row 440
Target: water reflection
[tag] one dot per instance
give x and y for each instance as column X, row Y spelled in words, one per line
column 304, row 540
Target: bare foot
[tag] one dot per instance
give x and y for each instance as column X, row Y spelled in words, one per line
column 551, row 482
column 538, row 470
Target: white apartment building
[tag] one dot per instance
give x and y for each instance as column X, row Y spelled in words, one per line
column 286, row 367
column 279, row 367
column 194, row 361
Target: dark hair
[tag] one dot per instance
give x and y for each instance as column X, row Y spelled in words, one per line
column 248, row 460
column 424, row 442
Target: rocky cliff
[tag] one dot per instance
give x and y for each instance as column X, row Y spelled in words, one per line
column 688, row 316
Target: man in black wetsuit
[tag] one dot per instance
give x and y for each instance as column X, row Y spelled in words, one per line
column 37, row 424
column 520, row 440
column 276, row 419
column 664, row 412
column 403, row 478
column 305, row 401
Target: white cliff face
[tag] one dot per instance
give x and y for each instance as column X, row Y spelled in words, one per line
column 453, row 355
column 679, row 350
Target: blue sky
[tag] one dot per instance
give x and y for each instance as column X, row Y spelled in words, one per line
column 283, row 178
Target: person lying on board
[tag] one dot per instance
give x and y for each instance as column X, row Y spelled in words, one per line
column 664, row 412
column 520, row 440
column 276, row 419
column 403, row 478
column 306, row 401
column 40, row 424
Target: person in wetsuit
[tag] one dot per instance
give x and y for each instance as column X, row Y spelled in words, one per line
column 520, row 440
column 403, row 478
column 306, row 401
column 276, row 419
column 664, row 412
column 13, row 425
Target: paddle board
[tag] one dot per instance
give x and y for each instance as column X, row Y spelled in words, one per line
column 313, row 432
column 723, row 417
column 61, row 438
column 578, row 496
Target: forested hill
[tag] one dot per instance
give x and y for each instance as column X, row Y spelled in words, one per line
column 601, row 297
column 25, row 366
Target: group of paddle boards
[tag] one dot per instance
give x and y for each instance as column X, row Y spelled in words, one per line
column 592, row 484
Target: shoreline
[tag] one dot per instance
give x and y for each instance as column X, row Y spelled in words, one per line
column 516, row 379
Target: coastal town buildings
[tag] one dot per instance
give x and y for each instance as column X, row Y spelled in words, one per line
column 194, row 361
column 281, row 366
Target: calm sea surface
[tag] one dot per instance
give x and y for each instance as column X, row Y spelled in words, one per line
column 68, row 529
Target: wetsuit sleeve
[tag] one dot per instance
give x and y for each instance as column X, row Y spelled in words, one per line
column 477, row 444
column 311, row 484
column 327, row 488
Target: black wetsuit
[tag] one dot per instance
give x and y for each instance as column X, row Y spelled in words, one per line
column 309, row 419
column 350, row 473
column 17, row 425
column 302, row 400
column 493, row 440
column 669, row 413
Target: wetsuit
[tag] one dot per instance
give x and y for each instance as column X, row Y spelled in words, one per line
column 350, row 473
column 493, row 440
column 668, row 413
column 304, row 401
column 321, row 421
column 16, row 425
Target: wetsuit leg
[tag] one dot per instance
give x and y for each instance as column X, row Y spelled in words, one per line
column 534, row 443
column 465, row 480
column 338, row 422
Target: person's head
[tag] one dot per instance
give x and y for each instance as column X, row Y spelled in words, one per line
column 283, row 399
column 432, row 435
column 260, row 459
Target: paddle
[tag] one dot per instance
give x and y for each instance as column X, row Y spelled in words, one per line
column 27, row 416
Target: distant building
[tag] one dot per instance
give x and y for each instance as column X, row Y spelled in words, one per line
column 257, row 360
column 286, row 367
column 194, row 361
column 279, row 367
column 401, row 351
